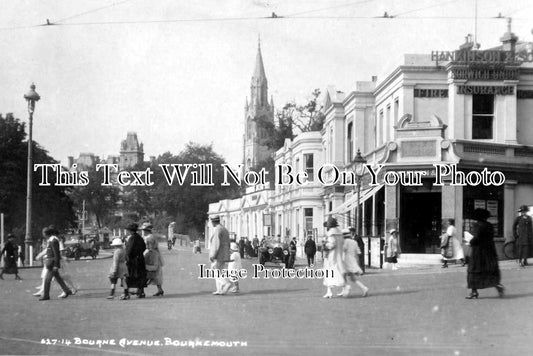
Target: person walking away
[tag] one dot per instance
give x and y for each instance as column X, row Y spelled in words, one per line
column 22, row 255
column 523, row 234
column 310, row 250
column 483, row 269
column 10, row 254
column 392, row 248
column 154, row 266
column 135, row 247
column 219, row 254
column 333, row 265
column 255, row 245
column 292, row 253
column 234, row 264
column 351, row 264
column 53, row 263
column 361, row 244
column 455, row 241
column 241, row 247
column 118, row 270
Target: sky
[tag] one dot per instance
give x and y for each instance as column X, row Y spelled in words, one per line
column 180, row 71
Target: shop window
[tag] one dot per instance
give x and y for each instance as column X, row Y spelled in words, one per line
column 482, row 116
column 308, row 162
column 484, row 197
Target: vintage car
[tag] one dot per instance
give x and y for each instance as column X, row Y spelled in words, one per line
column 273, row 251
column 78, row 248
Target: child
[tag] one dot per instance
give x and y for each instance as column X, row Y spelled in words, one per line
column 118, row 269
column 393, row 249
column 234, row 265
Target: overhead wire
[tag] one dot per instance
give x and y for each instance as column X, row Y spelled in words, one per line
column 90, row 11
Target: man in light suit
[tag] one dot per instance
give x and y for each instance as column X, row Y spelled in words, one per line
column 52, row 263
column 219, row 254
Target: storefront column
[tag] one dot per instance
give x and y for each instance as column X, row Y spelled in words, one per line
column 391, row 207
column 509, row 208
column 374, row 231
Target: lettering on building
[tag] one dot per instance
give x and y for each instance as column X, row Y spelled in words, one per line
column 468, row 56
column 431, row 93
column 485, row 74
column 524, row 94
column 485, row 89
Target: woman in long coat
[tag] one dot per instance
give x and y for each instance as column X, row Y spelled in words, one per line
column 135, row 247
column 333, row 264
column 483, row 269
column 10, row 259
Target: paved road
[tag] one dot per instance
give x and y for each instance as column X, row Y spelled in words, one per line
column 412, row 311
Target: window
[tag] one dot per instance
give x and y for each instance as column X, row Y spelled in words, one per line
column 350, row 142
column 396, row 110
column 308, row 212
column 308, row 162
column 482, row 116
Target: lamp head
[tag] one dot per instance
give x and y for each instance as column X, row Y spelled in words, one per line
column 31, row 97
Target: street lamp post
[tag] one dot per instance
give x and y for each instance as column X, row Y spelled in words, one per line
column 31, row 97
column 359, row 162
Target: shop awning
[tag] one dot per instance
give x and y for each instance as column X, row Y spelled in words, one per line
column 352, row 201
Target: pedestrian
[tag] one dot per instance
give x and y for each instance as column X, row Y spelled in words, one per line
column 118, row 270
column 333, row 265
column 455, row 241
column 392, row 248
column 22, row 255
column 292, row 253
column 255, row 245
column 483, row 269
column 53, row 263
column 234, row 265
column 135, row 247
column 350, row 260
column 10, row 254
column 523, row 234
column 154, row 266
column 241, row 247
column 65, row 270
column 310, row 250
column 361, row 244
column 219, row 254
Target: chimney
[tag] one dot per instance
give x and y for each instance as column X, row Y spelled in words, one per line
column 374, row 78
column 509, row 39
column 469, row 44
column 70, row 162
column 152, row 159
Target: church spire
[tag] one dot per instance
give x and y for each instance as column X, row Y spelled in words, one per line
column 259, row 86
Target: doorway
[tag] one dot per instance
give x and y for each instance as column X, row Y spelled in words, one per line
column 420, row 221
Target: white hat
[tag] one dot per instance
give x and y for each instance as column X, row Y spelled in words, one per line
column 233, row 246
column 346, row 231
column 116, row 242
column 392, row 231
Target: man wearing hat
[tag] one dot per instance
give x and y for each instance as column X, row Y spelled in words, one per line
column 135, row 247
column 361, row 244
column 219, row 254
column 523, row 234
column 392, row 248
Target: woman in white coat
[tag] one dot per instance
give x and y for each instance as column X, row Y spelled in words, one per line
column 454, row 238
column 351, row 266
column 333, row 264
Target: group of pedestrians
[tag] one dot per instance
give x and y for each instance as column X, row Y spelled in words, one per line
column 341, row 261
column 137, row 263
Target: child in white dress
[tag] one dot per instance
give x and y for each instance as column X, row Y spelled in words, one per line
column 234, row 265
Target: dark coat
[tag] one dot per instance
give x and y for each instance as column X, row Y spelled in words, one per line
column 10, row 259
column 523, row 230
column 135, row 247
column 483, row 270
column 310, row 247
column 53, row 256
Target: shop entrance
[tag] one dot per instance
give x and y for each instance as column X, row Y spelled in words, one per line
column 420, row 221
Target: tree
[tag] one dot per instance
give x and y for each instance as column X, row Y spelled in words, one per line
column 50, row 204
column 100, row 200
column 187, row 204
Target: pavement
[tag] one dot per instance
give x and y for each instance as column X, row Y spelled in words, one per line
column 416, row 310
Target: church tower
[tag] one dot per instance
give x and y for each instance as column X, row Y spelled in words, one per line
column 258, row 109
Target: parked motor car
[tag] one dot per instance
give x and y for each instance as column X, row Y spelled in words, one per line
column 78, row 248
column 273, row 251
